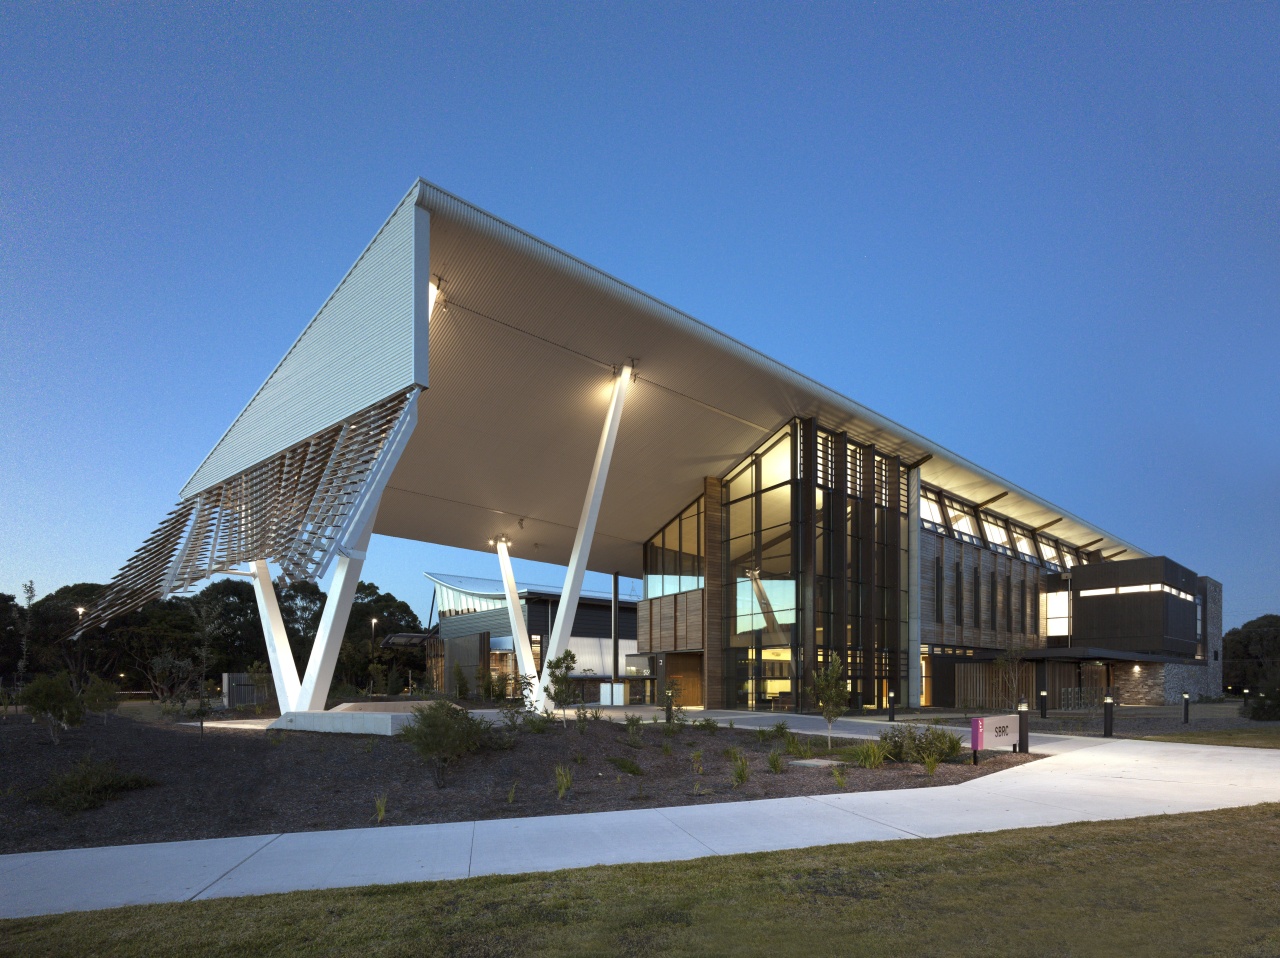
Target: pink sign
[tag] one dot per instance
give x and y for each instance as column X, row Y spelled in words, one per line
column 993, row 731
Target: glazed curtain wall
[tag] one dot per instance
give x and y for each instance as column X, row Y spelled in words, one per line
column 815, row 546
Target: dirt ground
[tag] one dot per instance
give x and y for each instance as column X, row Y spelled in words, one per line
column 246, row 782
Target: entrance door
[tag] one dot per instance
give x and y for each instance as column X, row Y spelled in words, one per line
column 685, row 670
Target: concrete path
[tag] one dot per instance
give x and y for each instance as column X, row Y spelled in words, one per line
column 1087, row 780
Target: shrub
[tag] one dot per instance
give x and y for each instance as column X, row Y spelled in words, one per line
column 626, row 765
column 88, row 785
column 776, row 765
column 708, row 725
column 102, row 697
column 930, row 763
column 909, row 742
column 442, row 733
column 1264, row 706
column 762, row 735
column 564, row 781
column 780, row 729
column 695, row 758
column 52, row 700
column 871, row 754
column 741, row 770
column 635, row 734
column 580, row 718
column 838, row 774
column 560, row 687
column 379, row 808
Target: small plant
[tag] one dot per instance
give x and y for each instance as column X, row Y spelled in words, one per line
column 597, row 714
column 88, row 785
column 730, row 723
column 461, row 689
column 762, row 735
column 442, row 733
column 776, row 765
column 709, row 725
column 51, row 699
column 931, row 763
column 732, row 753
column 741, row 770
column 516, row 710
column 379, row 808
column 580, row 718
column 695, row 758
column 635, row 730
column 578, row 758
column 560, row 687
column 626, row 765
column 697, row 788
column 870, row 754
column 838, row 774
column 564, row 781
column 537, row 723
column 511, row 793
column 666, row 748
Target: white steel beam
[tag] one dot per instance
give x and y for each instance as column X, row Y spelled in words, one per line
column 283, row 670
column 568, row 608
column 519, row 626
column 914, row 675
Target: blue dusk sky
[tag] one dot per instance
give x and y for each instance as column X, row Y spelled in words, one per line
column 1045, row 236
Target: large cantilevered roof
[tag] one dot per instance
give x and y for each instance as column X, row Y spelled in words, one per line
column 517, row 344
column 523, row 344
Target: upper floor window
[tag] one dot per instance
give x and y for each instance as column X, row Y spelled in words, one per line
column 963, row 522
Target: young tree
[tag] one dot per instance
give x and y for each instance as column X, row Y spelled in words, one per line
column 1008, row 672
column 51, row 699
column 560, row 689
column 829, row 692
column 101, row 696
column 28, row 597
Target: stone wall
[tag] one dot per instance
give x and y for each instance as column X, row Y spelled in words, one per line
column 1140, row 684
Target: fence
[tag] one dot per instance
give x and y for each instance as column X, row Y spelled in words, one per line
column 1084, row 699
column 239, row 689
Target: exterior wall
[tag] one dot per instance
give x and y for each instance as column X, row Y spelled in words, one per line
column 1010, row 575
column 672, row 623
column 713, row 603
column 1213, row 634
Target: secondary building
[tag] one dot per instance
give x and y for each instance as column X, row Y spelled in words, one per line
column 470, row 385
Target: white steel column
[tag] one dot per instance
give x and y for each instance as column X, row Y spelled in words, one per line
column 351, row 550
column 333, row 626
column 519, row 627
column 568, row 609
column 283, row 670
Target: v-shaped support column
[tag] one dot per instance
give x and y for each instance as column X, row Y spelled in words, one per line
column 568, row 609
column 519, row 625
column 283, row 670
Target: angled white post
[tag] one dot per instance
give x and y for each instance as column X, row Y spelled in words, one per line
column 568, row 609
column 283, row 670
column 351, row 550
column 519, row 627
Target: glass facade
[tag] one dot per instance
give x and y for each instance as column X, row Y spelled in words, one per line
column 816, row 567
column 675, row 558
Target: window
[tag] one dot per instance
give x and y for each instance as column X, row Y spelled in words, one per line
column 1025, row 545
column 959, row 594
column 1050, row 552
column 963, row 522
column 1022, row 608
column 674, row 557
column 977, row 599
column 997, row 533
column 994, row 618
column 1035, row 610
column 931, row 511
column 938, row 589
column 1057, row 617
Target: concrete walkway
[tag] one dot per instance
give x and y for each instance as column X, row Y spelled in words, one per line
column 1087, row 780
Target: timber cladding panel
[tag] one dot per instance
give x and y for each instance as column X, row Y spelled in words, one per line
column 713, row 622
column 644, row 643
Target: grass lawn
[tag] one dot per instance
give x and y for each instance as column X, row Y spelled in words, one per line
column 1201, row 884
column 1263, row 736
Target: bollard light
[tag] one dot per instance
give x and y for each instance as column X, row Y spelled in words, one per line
column 1108, row 716
column 1044, row 703
column 1186, row 707
column 1024, row 725
column 891, row 703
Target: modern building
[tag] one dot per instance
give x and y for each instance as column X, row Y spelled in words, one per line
column 475, row 629
column 470, row 385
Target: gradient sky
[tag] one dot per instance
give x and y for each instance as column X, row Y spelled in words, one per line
column 1047, row 237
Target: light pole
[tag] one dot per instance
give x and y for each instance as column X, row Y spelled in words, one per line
column 1024, row 725
column 1044, row 703
column 1186, row 707
column 1108, row 715
column 891, row 701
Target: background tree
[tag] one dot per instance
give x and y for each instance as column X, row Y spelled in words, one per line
column 301, row 605
column 10, row 634
column 1251, row 654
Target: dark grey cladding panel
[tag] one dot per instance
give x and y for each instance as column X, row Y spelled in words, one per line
column 593, row 621
column 1122, row 572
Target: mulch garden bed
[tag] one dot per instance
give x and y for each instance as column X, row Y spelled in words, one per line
column 246, row 782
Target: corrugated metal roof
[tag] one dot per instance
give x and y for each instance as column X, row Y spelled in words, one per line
column 492, row 588
column 357, row 350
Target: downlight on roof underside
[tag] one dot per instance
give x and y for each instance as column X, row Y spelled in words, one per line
column 523, row 343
